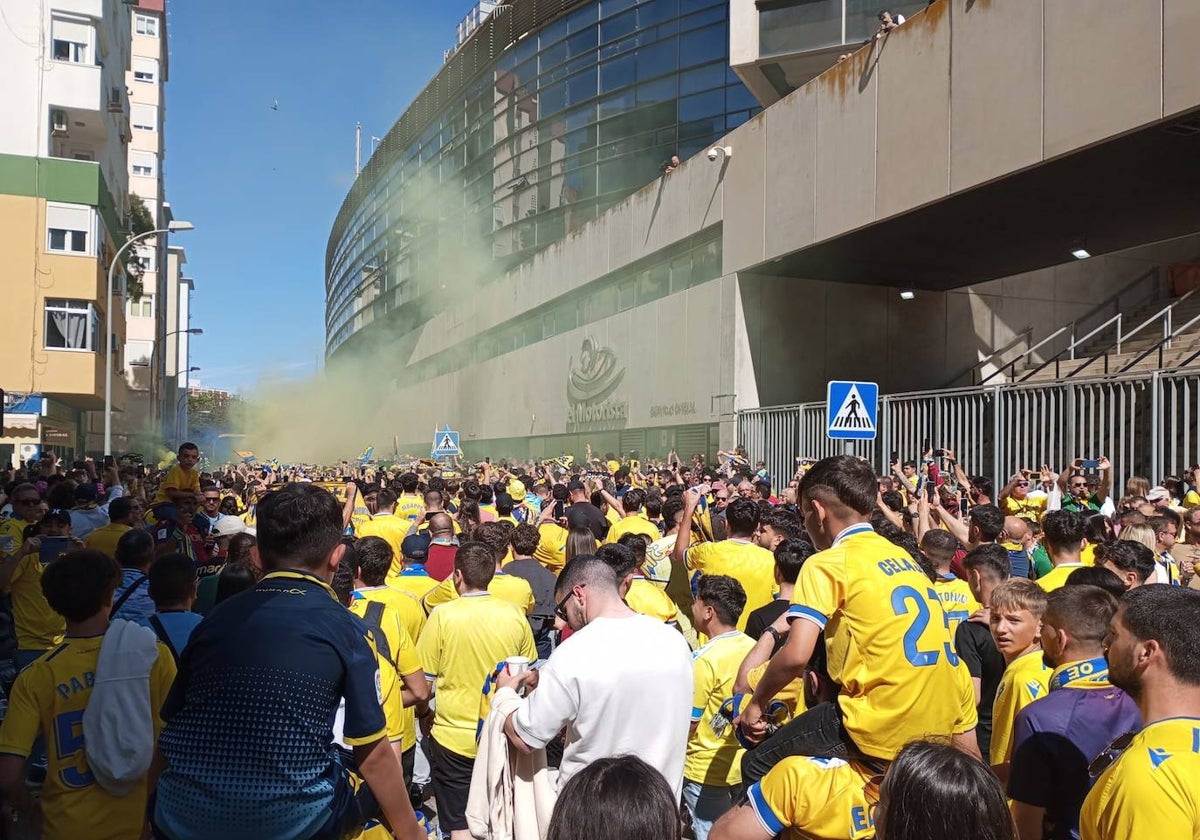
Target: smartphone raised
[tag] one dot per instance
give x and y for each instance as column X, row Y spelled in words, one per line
column 52, row 547
column 1091, row 464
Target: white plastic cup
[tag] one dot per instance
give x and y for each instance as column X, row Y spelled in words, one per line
column 515, row 665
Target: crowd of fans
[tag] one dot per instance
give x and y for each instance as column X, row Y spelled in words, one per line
column 616, row 649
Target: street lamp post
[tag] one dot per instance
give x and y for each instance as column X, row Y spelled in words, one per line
column 187, row 331
column 171, row 227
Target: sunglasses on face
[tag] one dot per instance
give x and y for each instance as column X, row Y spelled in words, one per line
column 1111, row 753
column 26, row 501
column 1022, row 484
column 560, row 609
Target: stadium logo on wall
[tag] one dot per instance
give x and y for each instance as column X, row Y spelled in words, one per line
column 590, row 386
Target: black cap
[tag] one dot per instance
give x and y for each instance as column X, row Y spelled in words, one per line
column 415, row 547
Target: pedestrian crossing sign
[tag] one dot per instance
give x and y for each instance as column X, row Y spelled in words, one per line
column 445, row 443
column 851, row 410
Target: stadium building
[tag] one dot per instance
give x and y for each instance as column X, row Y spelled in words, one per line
column 919, row 214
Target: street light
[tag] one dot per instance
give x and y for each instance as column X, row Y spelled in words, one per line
column 172, row 227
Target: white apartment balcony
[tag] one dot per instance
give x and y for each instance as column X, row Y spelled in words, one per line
column 76, row 85
column 88, row 8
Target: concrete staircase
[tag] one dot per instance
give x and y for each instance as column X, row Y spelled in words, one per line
column 1180, row 349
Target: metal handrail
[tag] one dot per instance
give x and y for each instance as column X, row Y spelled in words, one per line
column 1163, row 315
column 1025, row 334
column 1165, row 341
column 1011, row 367
column 1079, row 342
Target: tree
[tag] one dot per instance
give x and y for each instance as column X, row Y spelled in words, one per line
column 140, row 221
column 213, row 411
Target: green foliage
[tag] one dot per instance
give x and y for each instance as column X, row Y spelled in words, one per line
column 140, row 221
column 213, row 411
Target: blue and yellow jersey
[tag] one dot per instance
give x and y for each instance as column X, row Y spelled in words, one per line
column 402, row 660
column 957, row 600
column 805, row 798
column 405, row 604
column 391, row 528
column 409, row 507
column 888, row 640
column 49, row 699
column 12, row 536
column 1024, row 680
column 1150, row 790
column 634, row 524
column 412, row 579
column 714, row 756
column 646, row 598
column 750, row 564
column 508, row 588
column 460, row 646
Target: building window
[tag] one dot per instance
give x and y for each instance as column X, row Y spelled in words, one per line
column 143, row 307
column 144, row 164
column 70, row 39
column 68, row 227
column 145, row 70
column 144, row 117
column 144, row 171
column 145, row 25
column 71, row 325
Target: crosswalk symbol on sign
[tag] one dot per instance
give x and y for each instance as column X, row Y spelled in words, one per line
column 445, row 443
column 851, row 410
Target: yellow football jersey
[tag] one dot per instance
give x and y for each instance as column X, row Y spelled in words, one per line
column 634, row 524
column 1057, row 577
column 401, row 722
column 462, row 643
column 409, row 508
column 414, row 580
column 1024, row 680
column 38, row 627
column 49, row 698
column 406, row 605
column 750, row 564
column 805, row 798
column 509, row 588
column 177, row 478
column 390, row 528
column 887, row 637
column 1030, row 508
column 1150, row 790
column 714, row 756
column 646, row 598
column 552, row 547
column 12, row 536
column 957, row 600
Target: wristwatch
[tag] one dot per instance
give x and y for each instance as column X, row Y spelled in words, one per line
column 775, row 634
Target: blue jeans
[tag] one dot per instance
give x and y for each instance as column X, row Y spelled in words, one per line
column 706, row 804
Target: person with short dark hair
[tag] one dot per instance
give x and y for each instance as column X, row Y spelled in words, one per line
column 621, row 798
column 1145, row 783
column 955, row 593
column 514, row 590
column 375, row 562
column 1129, row 560
column 173, row 589
column 135, row 553
column 386, row 524
column 597, row 683
column 1099, row 577
column 790, row 555
column 712, row 769
column 279, row 657
column 776, row 525
column 640, row 594
column 1062, row 534
column 634, row 519
column 50, row 699
column 462, row 641
column 986, row 567
column 524, row 540
column 1055, row 737
column 858, row 585
column 1166, row 528
column 181, row 479
column 121, row 515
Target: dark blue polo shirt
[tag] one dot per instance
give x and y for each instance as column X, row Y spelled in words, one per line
column 248, row 738
column 1056, row 737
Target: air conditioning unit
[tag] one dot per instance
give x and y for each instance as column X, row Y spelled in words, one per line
column 115, row 103
column 58, row 122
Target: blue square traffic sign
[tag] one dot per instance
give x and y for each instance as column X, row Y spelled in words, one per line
column 852, row 410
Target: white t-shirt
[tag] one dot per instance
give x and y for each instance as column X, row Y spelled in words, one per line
column 622, row 686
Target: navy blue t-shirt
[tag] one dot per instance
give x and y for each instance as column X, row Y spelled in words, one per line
column 248, row 738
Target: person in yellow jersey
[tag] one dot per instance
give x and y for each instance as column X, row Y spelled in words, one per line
column 641, row 595
column 1015, row 499
column 806, row 798
column 410, row 505
column 712, row 774
column 461, row 644
column 634, row 520
column 374, row 558
column 50, row 699
column 954, row 592
column 1016, row 610
column 515, row 590
column 1062, row 536
column 122, row 517
column 739, row 556
column 411, row 576
column 404, row 691
column 26, row 504
column 1146, row 785
column 385, row 523
column 889, row 645
column 182, row 479
column 38, row 626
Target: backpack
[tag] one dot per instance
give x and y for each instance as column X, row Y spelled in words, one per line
column 374, row 619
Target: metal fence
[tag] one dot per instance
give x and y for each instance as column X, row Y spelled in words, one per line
column 1146, row 424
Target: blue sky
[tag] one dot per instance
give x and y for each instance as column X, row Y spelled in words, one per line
column 263, row 186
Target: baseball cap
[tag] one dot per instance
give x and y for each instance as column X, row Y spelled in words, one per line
column 1158, row 494
column 415, row 547
column 574, row 486
column 227, row 526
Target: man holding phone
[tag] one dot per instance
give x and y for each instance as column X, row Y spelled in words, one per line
column 1073, row 482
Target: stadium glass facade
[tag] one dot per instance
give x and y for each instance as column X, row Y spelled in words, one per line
column 568, row 120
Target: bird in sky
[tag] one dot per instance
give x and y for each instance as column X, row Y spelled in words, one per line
column 275, row 105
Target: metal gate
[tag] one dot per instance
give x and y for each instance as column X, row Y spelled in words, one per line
column 1146, row 424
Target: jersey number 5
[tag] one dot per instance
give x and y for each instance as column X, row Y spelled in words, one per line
column 68, row 744
column 905, row 599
